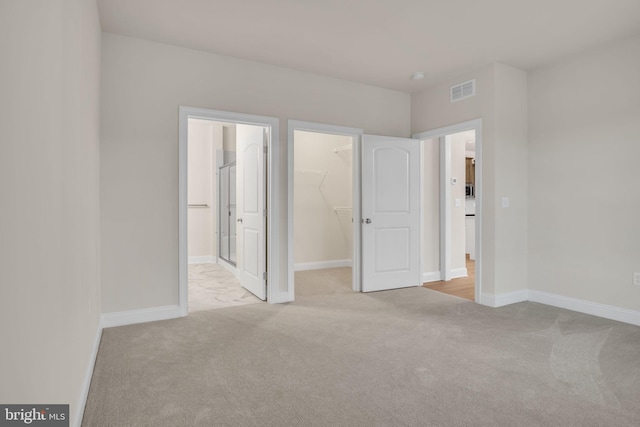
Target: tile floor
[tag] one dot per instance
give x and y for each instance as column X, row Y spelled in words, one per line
column 213, row 286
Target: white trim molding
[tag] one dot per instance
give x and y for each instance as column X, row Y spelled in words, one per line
column 436, row 276
column 459, row 272
column 500, row 300
column 88, row 375
column 431, row 276
column 560, row 301
column 319, row 265
column 586, row 307
column 205, row 259
column 131, row 317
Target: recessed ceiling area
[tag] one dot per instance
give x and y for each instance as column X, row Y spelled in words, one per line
column 379, row 42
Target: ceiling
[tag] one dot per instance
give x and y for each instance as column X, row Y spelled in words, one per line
column 379, row 42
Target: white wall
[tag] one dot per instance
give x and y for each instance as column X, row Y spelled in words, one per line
column 322, row 233
column 143, row 83
column 229, row 143
column 584, row 197
column 431, row 208
column 510, row 179
column 205, row 138
column 49, row 186
column 500, row 101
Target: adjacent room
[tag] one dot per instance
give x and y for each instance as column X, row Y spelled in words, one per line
column 212, row 216
column 454, row 187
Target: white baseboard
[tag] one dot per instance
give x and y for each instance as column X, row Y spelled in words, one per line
column 574, row 304
column 202, row 259
column 587, row 307
column 322, row 264
column 431, row 276
column 88, row 375
column 140, row 316
column 500, row 300
column 435, row 276
column 459, row 272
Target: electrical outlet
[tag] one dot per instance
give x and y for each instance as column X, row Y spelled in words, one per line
column 636, row 279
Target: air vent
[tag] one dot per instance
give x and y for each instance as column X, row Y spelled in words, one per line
column 463, row 90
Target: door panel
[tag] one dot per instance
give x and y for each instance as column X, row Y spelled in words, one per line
column 251, row 223
column 391, row 180
column 391, row 213
column 393, row 246
column 250, row 242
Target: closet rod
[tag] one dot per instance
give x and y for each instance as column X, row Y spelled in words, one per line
column 198, row 205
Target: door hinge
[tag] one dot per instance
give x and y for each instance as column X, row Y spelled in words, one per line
column 264, row 213
column 266, row 149
column 264, row 276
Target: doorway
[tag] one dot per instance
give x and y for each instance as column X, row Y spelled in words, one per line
column 323, row 200
column 213, row 280
column 323, row 213
column 225, row 170
column 385, row 208
column 453, row 155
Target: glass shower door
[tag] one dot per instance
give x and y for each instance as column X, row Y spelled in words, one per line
column 232, row 213
column 227, row 213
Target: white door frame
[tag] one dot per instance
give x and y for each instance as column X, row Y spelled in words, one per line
column 445, row 207
column 274, row 295
column 445, row 229
column 356, row 134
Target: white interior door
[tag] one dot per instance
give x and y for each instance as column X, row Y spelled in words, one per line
column 390, row 213
column 250, row 200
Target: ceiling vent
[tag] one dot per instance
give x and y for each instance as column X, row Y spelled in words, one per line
column 463, row 90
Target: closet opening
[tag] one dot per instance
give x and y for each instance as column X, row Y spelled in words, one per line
column 323, row 228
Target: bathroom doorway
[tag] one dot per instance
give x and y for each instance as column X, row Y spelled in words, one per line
column 224, row 159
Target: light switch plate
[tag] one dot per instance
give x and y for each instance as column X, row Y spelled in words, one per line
column 505, row 202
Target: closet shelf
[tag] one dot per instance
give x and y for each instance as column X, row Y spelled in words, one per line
column 347, row 147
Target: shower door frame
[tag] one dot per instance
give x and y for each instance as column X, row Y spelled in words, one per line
column 219, row 214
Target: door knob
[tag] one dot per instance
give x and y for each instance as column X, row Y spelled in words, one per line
column 239, row 220
column 366, row 221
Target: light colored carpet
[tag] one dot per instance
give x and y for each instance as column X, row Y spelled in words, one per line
column 409, row 357
column 329, row 281
column 213, row 286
